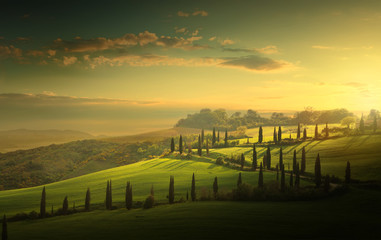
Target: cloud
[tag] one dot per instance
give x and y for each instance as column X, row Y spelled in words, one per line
column 195, row 13
column 23, row 39
column 212, row 38
column 35, row 53
column 265, row 50
column 69, row 60
column 257, row 64
column 181, row 30
column 180, row 42
column 10, row 52
column 355, row 84
column 227, row 42
column 323, row 47
column 51, row 52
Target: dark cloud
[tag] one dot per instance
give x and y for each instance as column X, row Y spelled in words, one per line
column 256, row 63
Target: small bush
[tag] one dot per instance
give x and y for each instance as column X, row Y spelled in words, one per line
column 220, row 161
column 148, row 203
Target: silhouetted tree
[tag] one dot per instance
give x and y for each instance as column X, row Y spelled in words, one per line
column 362, row 124
column 65, row 206
column 304, row 134
column 348, row 173
column 226, row 138
column 215, row 188
column 110, row 196
column 375, row 124
column 172, row 145
column 214, row 137
column 242, row 161
column 202, row 137
column 187, row 195
column 255, row 160
column 199, row 150
column 128, row 195
column 181, row 144
column 107, row 195
column 282, row 180
column 327, row 184
column 297, row 176
column 218, row 136
column 317, row 171
column 43, row 203
column 4, row 234
column 291, row 180
column 260, row 135
column 280, row 134
column 275, row 136
column 268, row 154
column 171, row 195
column 316, row 132
column 193, row 189
column 294, row 162
column 326, row 130
column 207, row 147
column 298, row 132
column 303, row 162
column 281, row 157
column 277, row 172
column 239, row 181
column 264, row 160
column 260, row 179
column 87, row 200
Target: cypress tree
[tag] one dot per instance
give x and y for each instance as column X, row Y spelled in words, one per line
column 348, row 173
column 215, row 188
column 260, row 179
column 280, row 134
column 303, row 163
column 242, row 161
column 108, row 194
column 275, row 136
column 181, row 144
column 268, row 154
column 260, row 135
column 128, row 195
column 317, row 171
column 264, row 160
column 207, row 147
column 294, row 162
column 375, row 124
column 316, row 132
column 226, row 138
column 87, row 200
column 277, row 172
column 255, row 160
column 239, row 181
column 326, row 130
column 291, row 180
column 193, row 189
column 199, row 151
column 327, row 185
column 202, row 137
column 214, row 137
column 172, row 145
column 281, row 157
column 43, row 203
column 171, row 195
column 65, row 205
column 4, row 234
column 298, row 133
column 297, row 176
column 218, row 136
column 304, row 134
column 282, row 180
column 187, row 195
column 362, row 124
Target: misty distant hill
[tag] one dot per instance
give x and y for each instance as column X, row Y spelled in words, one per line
column 12, row 140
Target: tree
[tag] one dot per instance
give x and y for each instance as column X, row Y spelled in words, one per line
column 181, row 144
column 242, row 161
column 264, row 160
column 43, row 203
column 327, row 183
column 199, row 150
column 218, row 136
column 304, row 134
column 226, row 138
column 268, row 154
column 317, row 171
column 275, row 136
column 172, row 145
column 215, row 188
column 110, row 197
column 294, row 162
column 214, row 137
column 260, row 135
column 348, row 173
column 362, row 124
column 326, row 130
column 4, row 234
column 207, row 147
column 316, row 132
column 87, row 200
column 303, row 162
column 291, row 179
column 280, row 156
column 239, row 181
column 65, row 205
column 255, row 160
column 260, row 179
column 297, row 176
column 171, row 195
column 348, row 121
column 298, row 132
column 107, row 195
column 202, row 136
column 277, row 172
column 187, row 195
column 282, row 179
column 375, row 124
column 280, row 134
column 128, row 195
column 193, row 189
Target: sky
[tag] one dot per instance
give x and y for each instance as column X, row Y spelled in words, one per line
column 123, row 67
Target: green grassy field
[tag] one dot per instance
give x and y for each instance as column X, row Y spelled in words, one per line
column 354, row 215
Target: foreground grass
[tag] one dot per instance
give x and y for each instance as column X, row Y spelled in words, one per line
column 354, row 215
